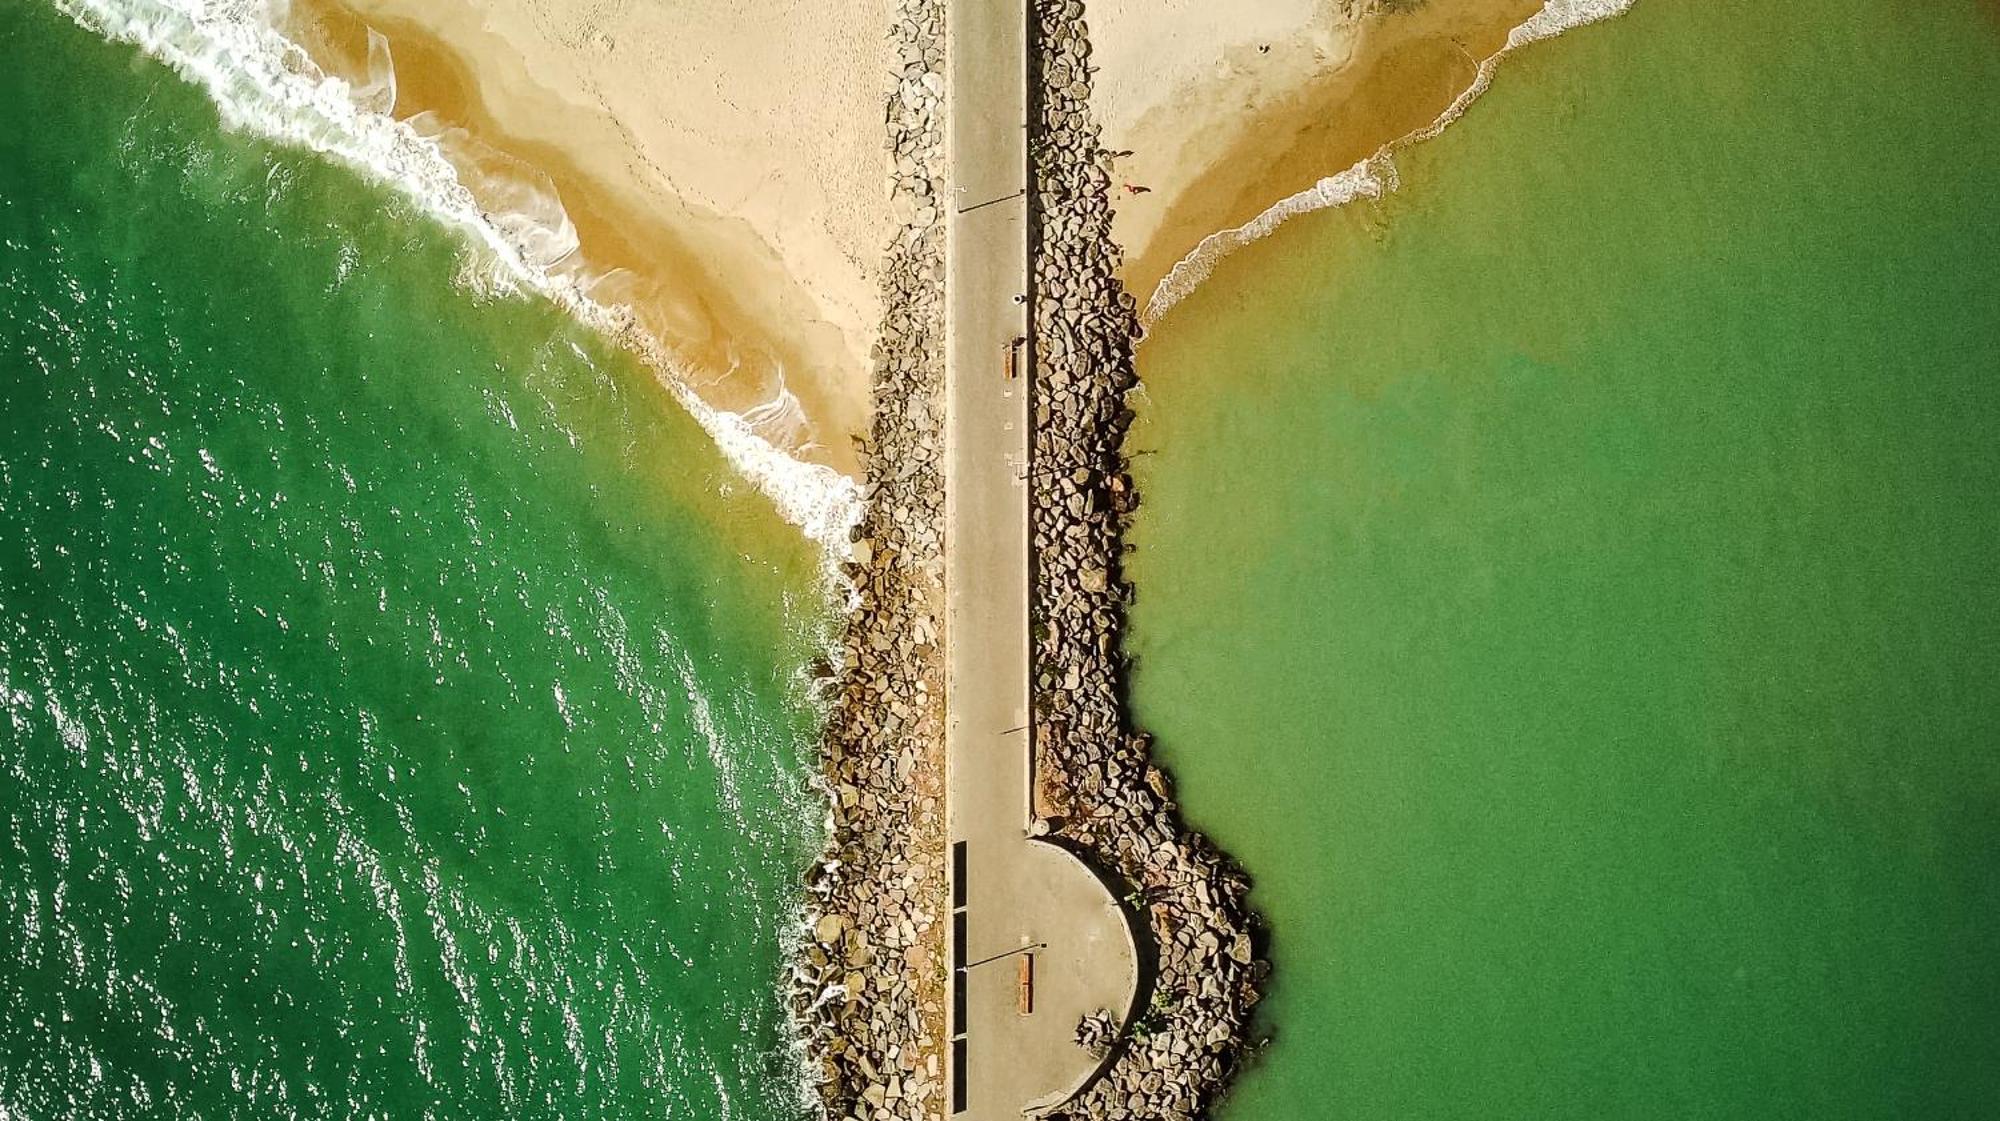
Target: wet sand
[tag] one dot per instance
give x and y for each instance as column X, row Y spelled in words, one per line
column 727, row 170
column 748, row 245
column 1226, row 142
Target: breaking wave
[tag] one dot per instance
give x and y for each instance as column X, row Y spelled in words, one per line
column 1375, row 176
column 264, row 84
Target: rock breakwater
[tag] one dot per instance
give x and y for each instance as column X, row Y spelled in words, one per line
column 868, row 987
column 1095, row 783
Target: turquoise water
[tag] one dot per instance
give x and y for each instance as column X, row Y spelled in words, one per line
column 1569, row 586
column 402, row 700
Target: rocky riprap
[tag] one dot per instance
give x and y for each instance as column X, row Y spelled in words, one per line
column 868, row 988
column 1095, row 782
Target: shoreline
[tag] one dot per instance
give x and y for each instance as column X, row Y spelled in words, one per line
column 757, row 338
column 1374, row 175
column 1218, row 157
column 750, row 334
column 1238, row 137
column 267, row 86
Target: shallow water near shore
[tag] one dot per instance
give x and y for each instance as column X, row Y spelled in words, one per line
column 402, row 696
column 1567, row 585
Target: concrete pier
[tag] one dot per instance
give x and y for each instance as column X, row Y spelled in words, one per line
column 1037, row 940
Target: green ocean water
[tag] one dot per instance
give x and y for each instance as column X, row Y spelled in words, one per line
column 403, row 710
column 1570, row 585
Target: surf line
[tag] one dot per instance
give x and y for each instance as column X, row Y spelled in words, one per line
column 1374, row 176
column 267, row 86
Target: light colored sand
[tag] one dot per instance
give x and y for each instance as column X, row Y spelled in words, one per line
column 728, row 153
column 725, row 156
column 1181, row 81
column 1220, row 128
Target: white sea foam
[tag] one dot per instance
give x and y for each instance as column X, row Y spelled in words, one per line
column 378, row 94
column 264, row 84
column 1375, row 176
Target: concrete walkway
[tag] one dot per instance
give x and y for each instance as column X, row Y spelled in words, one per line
column 1013, row 898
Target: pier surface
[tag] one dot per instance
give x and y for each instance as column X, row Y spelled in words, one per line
column 1013, row 897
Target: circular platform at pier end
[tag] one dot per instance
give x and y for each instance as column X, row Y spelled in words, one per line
column 1035, row 902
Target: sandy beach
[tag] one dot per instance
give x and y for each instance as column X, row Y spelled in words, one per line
column 723, row 167
column 1225, row 115
column 722, row 162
